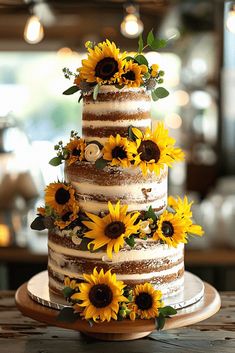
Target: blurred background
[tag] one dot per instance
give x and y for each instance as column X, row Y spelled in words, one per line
column 38, row 38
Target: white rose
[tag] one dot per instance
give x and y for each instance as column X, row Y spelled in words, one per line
column 92, row 152
column 144, row 227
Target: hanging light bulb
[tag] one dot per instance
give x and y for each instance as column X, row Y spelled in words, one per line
column 131, row 26
column 230, row 23
column 33, row 32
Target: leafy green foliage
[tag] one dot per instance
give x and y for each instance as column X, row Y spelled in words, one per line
column 71, row 90
column 150, row 38
column 130, row 241
column 167, row 311
column 67, row 314
column 38, row 223
column 158, row 44
column 140, row 44
column 150, row 214
column 67, row 292
column 55, row 161
column 159, row 93
column 131, row 135
column 160, row 321
column 141, row 60
column 101, row 163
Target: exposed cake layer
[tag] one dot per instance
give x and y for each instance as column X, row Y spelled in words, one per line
column 114, row 111
column 95, row 187
column 148, row 261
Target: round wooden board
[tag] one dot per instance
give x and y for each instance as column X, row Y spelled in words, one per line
column 121, row 330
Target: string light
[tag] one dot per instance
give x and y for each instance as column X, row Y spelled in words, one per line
column 230, row 23
column 33, row 32
column 131, row 26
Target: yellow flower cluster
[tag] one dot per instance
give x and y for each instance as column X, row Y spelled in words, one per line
column 105, row 64
column 174, row 228
column 151, row 151
column 101, row 298
column 60, row 203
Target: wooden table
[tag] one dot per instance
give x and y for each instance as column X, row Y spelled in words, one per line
column 19, row 334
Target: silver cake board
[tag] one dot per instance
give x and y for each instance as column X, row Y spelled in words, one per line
column 192, row 292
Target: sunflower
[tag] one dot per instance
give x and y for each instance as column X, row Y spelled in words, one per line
column 171, row 229
column 75, row 150
column 153, row 150
column 183, row 208
column 67, row 217
column 103, row 65
column 60, row 197
column 132, row 74
column 100, row 296
column 71, row 283
column 112, row 228
column 146, row 302
column 116, row 151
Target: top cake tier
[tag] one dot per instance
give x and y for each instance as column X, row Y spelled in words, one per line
column 114, row 111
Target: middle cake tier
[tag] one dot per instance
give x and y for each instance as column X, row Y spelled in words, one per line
column 95, row 187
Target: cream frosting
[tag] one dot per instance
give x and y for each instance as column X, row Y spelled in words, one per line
column 128, row 107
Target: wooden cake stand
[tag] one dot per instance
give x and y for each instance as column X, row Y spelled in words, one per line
column 207, row 306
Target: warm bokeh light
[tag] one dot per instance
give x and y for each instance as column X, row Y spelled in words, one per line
column 64, row 52
column 181, row 98
column 33, row 32
column 5, row 236
column 173, row 121
column 131, row 26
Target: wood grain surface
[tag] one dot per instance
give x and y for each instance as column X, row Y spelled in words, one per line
column 20, row 334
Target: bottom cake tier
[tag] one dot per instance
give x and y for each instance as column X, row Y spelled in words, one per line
column 148, row 261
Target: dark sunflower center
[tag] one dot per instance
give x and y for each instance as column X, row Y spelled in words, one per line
column 119, row 152
column 167, row 229
column 149, row 150
column 100, row 295
column 62, row 196
column 114, row 229
column 66, row 216
column 144, row 301
column 129, row 75
column 76, row 152
column 106, row 68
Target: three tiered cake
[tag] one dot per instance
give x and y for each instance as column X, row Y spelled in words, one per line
column 113, row 232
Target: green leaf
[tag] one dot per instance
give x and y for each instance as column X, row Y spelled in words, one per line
column 161, row 92
column 101, row 163
column 130, row 241
column 96, row 91
column 80, row 98
column 67, row 292
column 167, row 311
column 55, row 161
column 160, row 321
column 71, row 90
column 140, row 44
column 38, row 223
column 158, row 44
column 67, row 314
column 150, row 214
column 141, row 60
column 150, row 38
column 131, row 135
column 154, row 97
